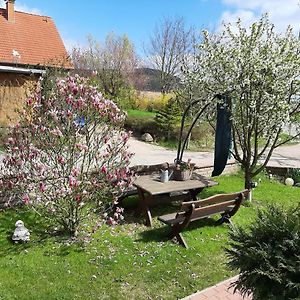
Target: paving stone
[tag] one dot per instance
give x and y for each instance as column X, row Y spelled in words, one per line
column 220, row 291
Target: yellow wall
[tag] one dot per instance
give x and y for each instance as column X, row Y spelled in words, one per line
column 14, row 90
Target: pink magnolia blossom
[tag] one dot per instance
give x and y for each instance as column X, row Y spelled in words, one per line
column 69, row 113
column 26, row 199
column 120, row 210
column 43, row 157
column 73, row 182
column 103, row 169
column 111, row 221
column 82, row 147
column 42, row 187
column 75, row 172
column 74, row 90
column 61, row 159
column 78, row 198
column 29, row 101
column 69, row 100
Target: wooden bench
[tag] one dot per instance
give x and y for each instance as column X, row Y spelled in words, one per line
column 225, row 204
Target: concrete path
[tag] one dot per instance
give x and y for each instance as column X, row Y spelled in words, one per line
column 145, row 153
column 286, row 156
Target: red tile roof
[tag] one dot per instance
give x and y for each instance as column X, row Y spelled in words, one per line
column 33, row 39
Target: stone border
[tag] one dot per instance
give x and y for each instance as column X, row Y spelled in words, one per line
column 231, row 168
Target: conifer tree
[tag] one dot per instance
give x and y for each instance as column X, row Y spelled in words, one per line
column 168, row 118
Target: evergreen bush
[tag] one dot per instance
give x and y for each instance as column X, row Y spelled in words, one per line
column 168, row 118
column 268, row 255
column 295, row 174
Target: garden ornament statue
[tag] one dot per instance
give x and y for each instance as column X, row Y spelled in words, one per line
column 21, row 233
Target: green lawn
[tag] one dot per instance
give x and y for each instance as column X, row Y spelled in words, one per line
column 129, row 261
column 140, row 113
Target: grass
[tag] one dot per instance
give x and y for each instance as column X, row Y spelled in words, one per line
column 129, row 261
column 140, row 121
column 193, row 145
column 140, row 113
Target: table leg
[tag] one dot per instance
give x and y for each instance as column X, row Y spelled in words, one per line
column 143, row 207
column 194, row 193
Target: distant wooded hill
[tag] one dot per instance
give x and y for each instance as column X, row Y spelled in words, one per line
column 144, row 79
column 148, row 79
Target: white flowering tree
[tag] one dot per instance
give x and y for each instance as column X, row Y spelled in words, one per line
column 259, row 70
column 67, row 154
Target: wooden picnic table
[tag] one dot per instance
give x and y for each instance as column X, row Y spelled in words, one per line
column 152, row 191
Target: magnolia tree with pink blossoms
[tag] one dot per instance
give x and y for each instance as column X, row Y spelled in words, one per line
column 67, row 154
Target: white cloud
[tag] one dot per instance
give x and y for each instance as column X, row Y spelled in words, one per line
column 247, row 16
column 71, row 43
column 25, row 8
column 19, row 6
column 281, row 13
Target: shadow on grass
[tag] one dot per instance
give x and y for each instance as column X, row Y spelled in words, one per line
column 161, row 234
column 154, row 235
column 130, row 205
column 132, row 218
column 41, row 235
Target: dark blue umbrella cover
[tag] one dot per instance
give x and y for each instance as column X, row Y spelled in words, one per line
column 222, row 138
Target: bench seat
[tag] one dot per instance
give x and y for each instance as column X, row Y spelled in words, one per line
column 225, row 204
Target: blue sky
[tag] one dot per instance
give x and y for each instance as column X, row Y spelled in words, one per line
column 75, row 19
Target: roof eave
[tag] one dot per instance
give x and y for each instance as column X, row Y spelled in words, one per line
column 20, row 70
column 36, row 67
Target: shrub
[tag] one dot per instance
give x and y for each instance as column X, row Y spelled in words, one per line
column 151, row 101
column 268, row 255
column 141, row 124
column 168, row 118
column 126, row 98
column 295, row 174
column 68, row 153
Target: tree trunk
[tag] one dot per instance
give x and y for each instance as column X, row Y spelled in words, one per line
column 248, row 182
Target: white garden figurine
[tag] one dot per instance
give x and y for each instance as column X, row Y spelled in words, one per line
column 21, row 233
